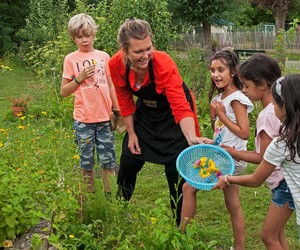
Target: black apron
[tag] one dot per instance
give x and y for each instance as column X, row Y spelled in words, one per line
column 160, row 138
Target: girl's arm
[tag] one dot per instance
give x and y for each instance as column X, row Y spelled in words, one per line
column 241, row 128
column 213, row 115
column 262, row 172
column 251, row 156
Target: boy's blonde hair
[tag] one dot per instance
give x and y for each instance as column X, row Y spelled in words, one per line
column 82, row 22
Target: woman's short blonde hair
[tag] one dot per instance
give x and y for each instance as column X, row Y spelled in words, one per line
column 82, row 22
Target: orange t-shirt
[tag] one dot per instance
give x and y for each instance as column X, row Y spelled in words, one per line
column 92, row 102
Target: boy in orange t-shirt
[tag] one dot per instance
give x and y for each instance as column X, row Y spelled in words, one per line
column 86, row 75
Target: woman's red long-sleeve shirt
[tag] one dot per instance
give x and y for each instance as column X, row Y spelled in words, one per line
column 167, row 79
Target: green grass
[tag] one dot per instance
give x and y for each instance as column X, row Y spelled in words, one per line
column 46, row 144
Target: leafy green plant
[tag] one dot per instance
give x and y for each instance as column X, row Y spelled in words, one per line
column 282, row 41
column 22, row 203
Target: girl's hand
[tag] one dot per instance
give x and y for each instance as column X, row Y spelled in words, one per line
column 133, row 144
column 218, row 109
column 220, row 184
column 231, row 150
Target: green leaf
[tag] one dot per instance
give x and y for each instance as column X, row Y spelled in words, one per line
column 11, row 221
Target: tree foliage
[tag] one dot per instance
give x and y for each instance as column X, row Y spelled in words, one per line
column 254, row 15
column 44, row 21
column 197, row 12
column 279, row 8
column 110, row 14
column 12, row 15
column 47, row 49
column 205, row 13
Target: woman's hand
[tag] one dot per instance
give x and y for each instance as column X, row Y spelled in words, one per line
column 133, row 144
column 200, row 140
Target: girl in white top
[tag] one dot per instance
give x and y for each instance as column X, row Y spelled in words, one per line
column 229, row 115
column 284, row 150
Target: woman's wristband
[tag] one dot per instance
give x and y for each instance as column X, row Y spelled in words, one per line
column 75, row 80
column 226, row 180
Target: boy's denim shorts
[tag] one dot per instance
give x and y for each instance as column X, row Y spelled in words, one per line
column 282, row 195
column 91, row 137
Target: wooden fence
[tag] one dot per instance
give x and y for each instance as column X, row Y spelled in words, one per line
column 236, row 40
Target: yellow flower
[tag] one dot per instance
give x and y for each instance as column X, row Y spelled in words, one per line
column 1, row 144
column 219, row 124
column 23, row 117
column 7, row 244
column 41, row 172
column 204, row 173
column 21, row 127
column 211, row 165
column 153, row 220
column 76, row 157
column 44, row 113
column 203, row 161
column 71, row 236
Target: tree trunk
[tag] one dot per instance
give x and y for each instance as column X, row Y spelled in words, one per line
column 279, row 8
column 280, row 18
column 207, row 39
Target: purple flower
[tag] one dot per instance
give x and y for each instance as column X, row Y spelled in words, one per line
column 218, row 174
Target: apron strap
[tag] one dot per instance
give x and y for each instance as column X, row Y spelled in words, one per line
column 150, row 69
